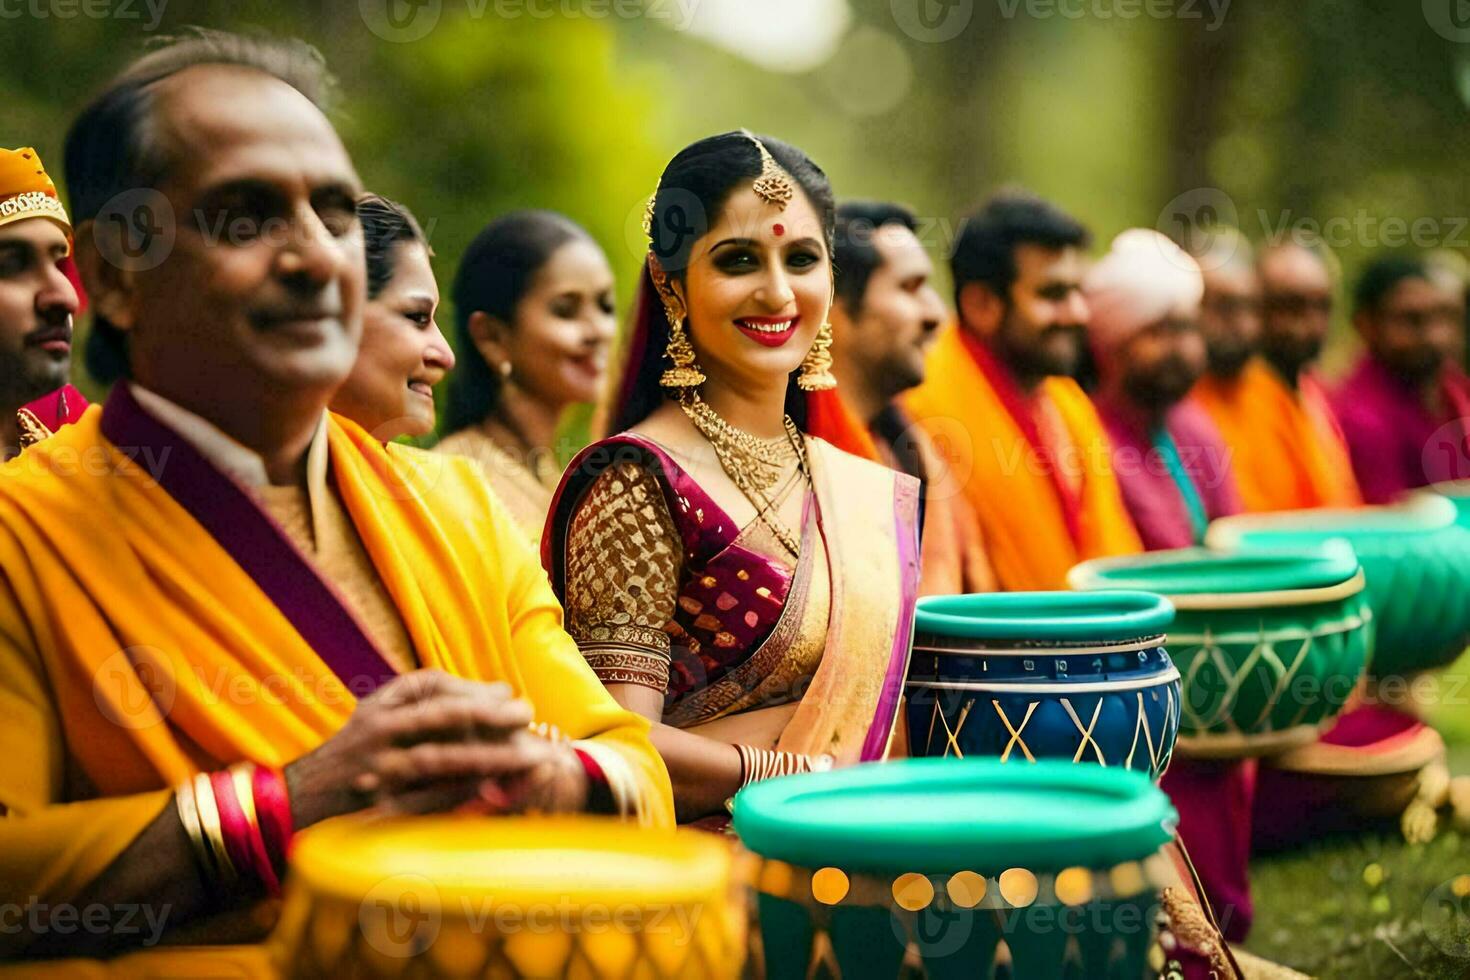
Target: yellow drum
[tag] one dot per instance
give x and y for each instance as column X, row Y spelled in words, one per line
column 524, row 897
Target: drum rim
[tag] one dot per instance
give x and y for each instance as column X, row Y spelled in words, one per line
column 780, row 819
column 1117, row 614
column 1044, row 649
column 1323, row 573
column 1167, row 676
column 1418, row 514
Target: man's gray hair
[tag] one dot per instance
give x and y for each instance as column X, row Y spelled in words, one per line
column 113, row 147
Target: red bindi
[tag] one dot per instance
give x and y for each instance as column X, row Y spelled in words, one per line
column 779, row 229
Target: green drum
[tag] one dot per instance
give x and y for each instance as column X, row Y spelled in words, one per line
column 957, row 865
column 1416, row 560
column 1270, row 645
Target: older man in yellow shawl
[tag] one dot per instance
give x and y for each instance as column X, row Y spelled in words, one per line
column 1021, row 437
column 218, row 601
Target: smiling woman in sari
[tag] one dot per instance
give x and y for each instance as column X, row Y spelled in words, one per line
column 712, row 575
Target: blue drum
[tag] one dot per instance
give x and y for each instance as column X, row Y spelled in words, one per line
column 1045, row 675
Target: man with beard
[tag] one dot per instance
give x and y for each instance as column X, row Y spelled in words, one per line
column 1176, row 477
column 37, row 303
column 884, row 320
column 1230, row 313
column 1021, row 438
column 1171, row 462
column 1405, row 407
column 1275, row 416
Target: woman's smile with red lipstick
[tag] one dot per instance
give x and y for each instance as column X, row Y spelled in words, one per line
column 771, row 331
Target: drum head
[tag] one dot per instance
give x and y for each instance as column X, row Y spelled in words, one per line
column 1200, row 571
column 1043, row 616
column 571, row 859
column 940, row 816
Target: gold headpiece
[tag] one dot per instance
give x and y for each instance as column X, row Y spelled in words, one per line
column 648, row 213
column 26, row 191
column 773, row 185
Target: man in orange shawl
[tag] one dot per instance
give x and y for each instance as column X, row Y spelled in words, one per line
column 1288, row 450
column 210, row 571
column 37, row 302
column 884, row 320
column 1019, row 436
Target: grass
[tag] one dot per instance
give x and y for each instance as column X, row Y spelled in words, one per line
column 1374, row 907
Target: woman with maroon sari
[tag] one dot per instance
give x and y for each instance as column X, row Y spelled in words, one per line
column 713, row 575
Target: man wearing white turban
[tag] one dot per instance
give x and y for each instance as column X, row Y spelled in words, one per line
column 1173, row 466
column 1175, row 473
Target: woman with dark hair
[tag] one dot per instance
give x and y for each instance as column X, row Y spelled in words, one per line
column 533, row 309
column 390, row 391
column 713, row 575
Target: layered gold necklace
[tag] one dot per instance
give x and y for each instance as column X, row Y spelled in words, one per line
column 754, row 465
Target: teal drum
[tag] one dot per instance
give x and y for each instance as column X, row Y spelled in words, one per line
column 941, row 868
column 1270, row 645
column 1044, row 675
column 1415, row 557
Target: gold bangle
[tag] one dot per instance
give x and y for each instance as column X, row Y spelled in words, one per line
column 213, row 833
column 189, row 816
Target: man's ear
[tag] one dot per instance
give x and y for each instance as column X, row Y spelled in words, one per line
column 980, row 308
column 840, row 317
column 109, row 287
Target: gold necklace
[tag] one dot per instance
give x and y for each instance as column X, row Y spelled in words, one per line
column 753, row 465
column 762, row 460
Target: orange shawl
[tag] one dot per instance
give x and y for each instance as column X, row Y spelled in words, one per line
column 1028, row 534
column 1288, row 451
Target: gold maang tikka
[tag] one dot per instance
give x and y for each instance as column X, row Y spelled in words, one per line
column 773, row 185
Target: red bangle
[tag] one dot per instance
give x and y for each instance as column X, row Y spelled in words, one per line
column 234, row 827
column 600, row 797
column 273, row 812
column 242, row 776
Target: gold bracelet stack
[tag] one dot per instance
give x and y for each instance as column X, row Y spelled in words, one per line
column 757, row 764
column 199, row 813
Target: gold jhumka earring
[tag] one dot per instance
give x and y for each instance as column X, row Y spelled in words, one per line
column 684, row 373
column 816, row 367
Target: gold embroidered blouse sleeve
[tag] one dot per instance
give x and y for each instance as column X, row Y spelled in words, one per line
column 624, row 556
